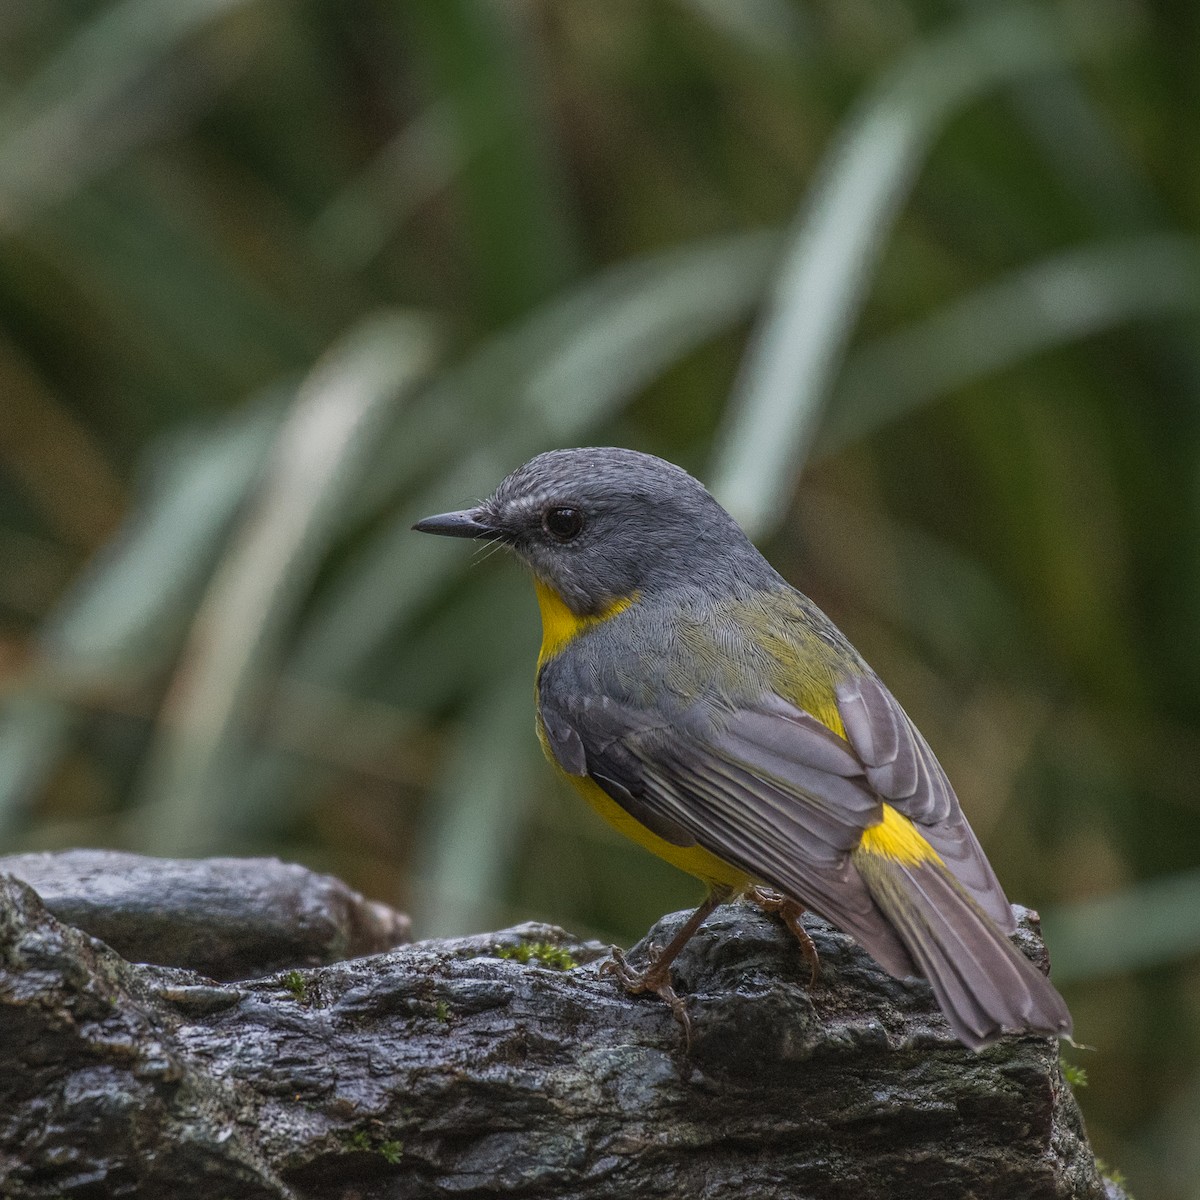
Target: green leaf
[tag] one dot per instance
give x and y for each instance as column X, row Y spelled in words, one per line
column 1142, row 926
column 242, row 624
column 836, row 245
column 482, row 60
column 1074, row 295
column 123, row 620
column 60, row 127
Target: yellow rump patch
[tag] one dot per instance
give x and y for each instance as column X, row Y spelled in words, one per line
column 560, row 625
column 896, row 837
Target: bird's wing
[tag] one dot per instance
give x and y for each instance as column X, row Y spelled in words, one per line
column 773, row 791
column 768, row 789
column 901, row 769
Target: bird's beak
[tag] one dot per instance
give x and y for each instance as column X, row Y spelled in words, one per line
column 469, row 523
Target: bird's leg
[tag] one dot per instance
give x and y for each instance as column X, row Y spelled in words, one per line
column 789, row 912
column 656, row 977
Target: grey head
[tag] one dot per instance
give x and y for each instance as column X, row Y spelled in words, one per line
column 600, row 523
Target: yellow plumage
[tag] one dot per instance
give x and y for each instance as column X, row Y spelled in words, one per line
column 895, row 837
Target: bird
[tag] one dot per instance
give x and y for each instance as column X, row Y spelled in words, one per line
column 713, row 713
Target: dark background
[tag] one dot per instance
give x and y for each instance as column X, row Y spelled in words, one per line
column 912, row 284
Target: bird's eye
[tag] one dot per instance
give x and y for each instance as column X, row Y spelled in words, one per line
column 562, row 523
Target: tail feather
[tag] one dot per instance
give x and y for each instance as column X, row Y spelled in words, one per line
column 982, row 982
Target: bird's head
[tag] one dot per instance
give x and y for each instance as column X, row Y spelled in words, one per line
column 600, row 525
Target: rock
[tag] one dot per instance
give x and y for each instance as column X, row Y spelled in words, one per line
column 229, row 918
column 489, row 1066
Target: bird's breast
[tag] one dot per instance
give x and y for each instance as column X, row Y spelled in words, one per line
column 694, row 859
column 561, row 625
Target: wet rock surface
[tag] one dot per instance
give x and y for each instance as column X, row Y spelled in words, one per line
column 489, row 1066
column 230, row 918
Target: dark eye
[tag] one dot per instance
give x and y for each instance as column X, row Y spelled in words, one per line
column 563, row 523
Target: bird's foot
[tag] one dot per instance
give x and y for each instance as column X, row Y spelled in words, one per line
column 789, row 912
column 655, row 978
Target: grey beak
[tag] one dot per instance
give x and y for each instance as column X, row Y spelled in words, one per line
column 464, row 524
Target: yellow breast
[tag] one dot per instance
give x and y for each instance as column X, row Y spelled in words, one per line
column 560, row 626
column 695, row 860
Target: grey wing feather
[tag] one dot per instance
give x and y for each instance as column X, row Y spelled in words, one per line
column 566, row 744
column 773, row 792
column 770, row 837
column 645, row 813
column 983, row 983
column 901, row 768
column 564, row 740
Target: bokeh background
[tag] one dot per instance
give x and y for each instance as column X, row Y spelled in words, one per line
column 912, row 284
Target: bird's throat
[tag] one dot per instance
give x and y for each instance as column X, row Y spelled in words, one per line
column 561, row 626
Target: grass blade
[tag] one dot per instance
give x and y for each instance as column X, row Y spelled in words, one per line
column 417, row 164
column 125, row 617
column 838, row 240
column 239, row 631
column 60, row 126
column 479, row 807
column 772, row 29
column 1144, row 926
column 1074, row 295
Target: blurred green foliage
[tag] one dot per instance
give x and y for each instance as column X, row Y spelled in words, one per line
column 278, row 278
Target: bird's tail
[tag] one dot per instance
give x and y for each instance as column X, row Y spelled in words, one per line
column 983, row 983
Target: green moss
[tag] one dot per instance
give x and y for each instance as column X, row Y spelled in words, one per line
column 1075, row 1076
column 441, row 1010
column 297, row 985
column 545, row 954
column 1115, row 1176
column 390, row 1150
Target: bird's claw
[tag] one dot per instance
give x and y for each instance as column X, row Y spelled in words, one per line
column 789, row 912
column 657, row 979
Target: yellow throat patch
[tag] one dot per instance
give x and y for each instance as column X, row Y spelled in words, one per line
column 560, row 626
